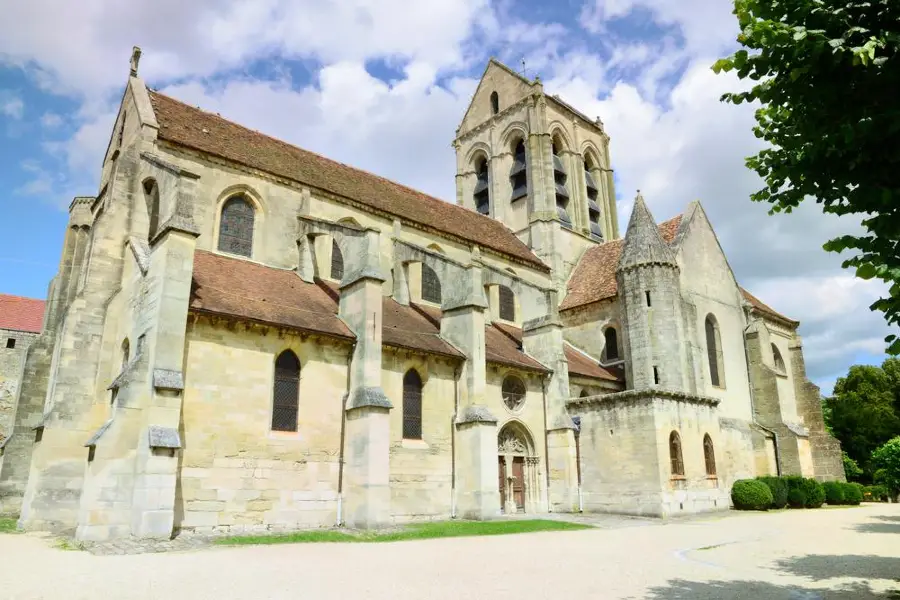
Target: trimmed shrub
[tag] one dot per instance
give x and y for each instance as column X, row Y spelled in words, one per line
column 875, row 493
column 750, row 494
column 779, row 488
column 815, row 493
column 853, row 493
column 796, row 497
column 834, row 492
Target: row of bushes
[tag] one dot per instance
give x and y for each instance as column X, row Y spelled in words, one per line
column 764, row 493
column 875, row 493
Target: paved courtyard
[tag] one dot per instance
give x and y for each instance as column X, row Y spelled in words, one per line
column 801, row 555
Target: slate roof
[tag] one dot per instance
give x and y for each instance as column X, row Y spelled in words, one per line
column 240, row 288
column 582, row 365
column 594, row 278
column 21, row 314
column 768, row 310
column 191, row 127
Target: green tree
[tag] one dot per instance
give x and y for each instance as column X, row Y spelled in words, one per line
column 826, row 74
column 851, row 469
column 863, row 412
column 887, row 461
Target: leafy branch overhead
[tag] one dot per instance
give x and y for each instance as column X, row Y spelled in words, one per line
column 826, row 74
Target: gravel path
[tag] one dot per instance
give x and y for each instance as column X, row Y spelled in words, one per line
column 802, row 555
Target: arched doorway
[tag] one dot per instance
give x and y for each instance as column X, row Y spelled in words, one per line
column 519, row 477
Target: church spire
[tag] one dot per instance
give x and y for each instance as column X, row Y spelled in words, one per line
column 643, row 243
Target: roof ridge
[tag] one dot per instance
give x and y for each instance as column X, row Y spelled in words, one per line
column 17, row 297
column 333, row 161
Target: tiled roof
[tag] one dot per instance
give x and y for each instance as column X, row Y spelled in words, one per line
column 767, row 310
column 582, row 365
column 415, row 327
column 594, row 278
column 240, row 288
column 191, row 127
column 503, row 345
column 21, row 314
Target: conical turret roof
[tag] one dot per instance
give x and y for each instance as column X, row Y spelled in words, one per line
column 643, row 243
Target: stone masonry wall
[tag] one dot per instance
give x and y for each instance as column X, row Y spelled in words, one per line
column 11, row 363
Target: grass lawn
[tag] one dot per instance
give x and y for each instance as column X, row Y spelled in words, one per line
column 421, row 531
column 7, row 525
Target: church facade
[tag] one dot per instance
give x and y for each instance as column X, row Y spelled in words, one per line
column 244, row 336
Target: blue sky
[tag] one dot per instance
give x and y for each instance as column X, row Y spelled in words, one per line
column 382, row 84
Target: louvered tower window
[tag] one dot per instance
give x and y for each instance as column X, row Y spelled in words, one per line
column 431, row 285
column 675, row 454
column 518, row 176
column 562, row 194
column 593, row 193
column 337, row 262
column 709, row 455
column 286, row 393
column 412, row 405
column 482, row 191
column 507, row 303
column 236, row 227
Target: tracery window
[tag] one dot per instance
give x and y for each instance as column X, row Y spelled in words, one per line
column 286, row 392
column 412, row 405
column 513, row 391
column 709, row 455
column 236, row 227
column 675, row 454
column 337, row 262
column 431, row 285
column 507, row 303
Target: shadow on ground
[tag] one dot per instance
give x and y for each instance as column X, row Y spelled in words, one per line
column 815, row 568
column 880, row 524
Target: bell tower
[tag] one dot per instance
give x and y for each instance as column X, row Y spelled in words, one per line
column 538, row 165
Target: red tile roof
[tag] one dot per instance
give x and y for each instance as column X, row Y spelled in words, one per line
column 768, row 310
column 503, row 345
column 21, row 314
column 594, row 278
column 582, row 365
column 191, row 127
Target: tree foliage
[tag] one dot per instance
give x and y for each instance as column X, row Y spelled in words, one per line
column 826, row 73
column 863, row 412
column 887, row 461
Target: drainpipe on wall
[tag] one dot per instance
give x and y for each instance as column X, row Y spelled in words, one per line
column 340, row 490
column 577, row 421
column 456, row 371
column 546, row 441
column 753, row 402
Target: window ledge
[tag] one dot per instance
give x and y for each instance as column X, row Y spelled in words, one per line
column 284, row 435
column 712, row 477
column 678, row 478
column 414, row 444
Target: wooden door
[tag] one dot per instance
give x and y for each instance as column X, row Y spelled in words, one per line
column 518, row 469
column 502, row 471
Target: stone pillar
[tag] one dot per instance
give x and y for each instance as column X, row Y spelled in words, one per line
column 462, row 323
column 367, row 430
column 543, row 339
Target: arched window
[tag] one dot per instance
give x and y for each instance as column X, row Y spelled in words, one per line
column 126, row 352
column 412, row 406
column 495, row 103
column 286, row 393
column 236, row 227
column 431, row 285
column 151, row 197
column 675, row 454
column 584, row 394
column 779, row 361
column 482, row 193
column 612, row 343
column 593, row 193
column 709, row 454
column 507, row 303
column 513, row 392
column 518, row 176
column 559, row 178
column 714, row 352
column 337, row 262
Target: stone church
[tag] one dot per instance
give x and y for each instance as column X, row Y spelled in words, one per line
column 244, row 335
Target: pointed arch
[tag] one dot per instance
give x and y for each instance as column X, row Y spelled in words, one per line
column 236, row 226
column 709, row 456
column 436, row 248
column 151, row 199
column 482, row 192
column 126, row 352
column 495, row 103
column 412, row 405
column 286, row 392
column 514, row 438
column 778, row 359
column 518, row 175
column 337, row 261
column 714, row 351
column 675, row 456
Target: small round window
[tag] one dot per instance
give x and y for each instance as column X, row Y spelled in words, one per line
column 513, row 393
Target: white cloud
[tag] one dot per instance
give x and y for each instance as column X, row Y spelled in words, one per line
column 50, row 120
column 11, row 106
